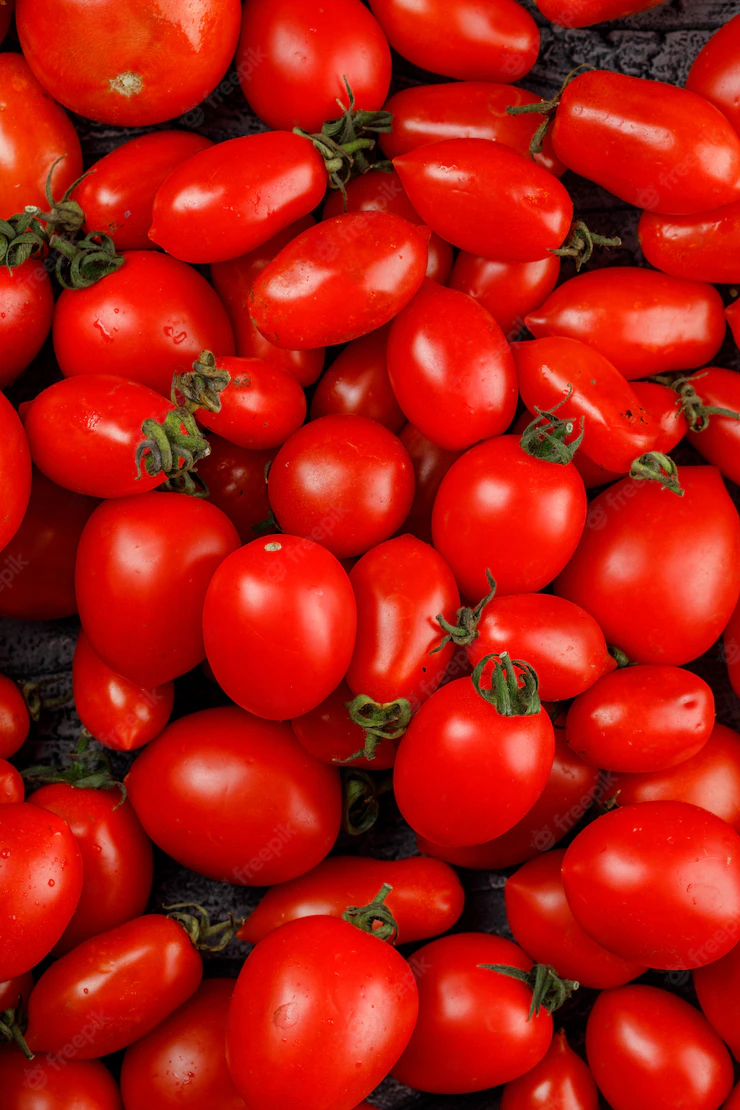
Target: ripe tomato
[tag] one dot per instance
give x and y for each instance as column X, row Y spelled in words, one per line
column 40, row 885
column 15, row 465
column 329, row 302
column 715, row 74
column 660, row 401
column 719, row 441
column 14, row 989
column 733, row 1101
column 320, row 1006
column 357, row 383
column 25, row 322
column 716, row 988
column 12, row 788
column 487, row 199
column 288, row 604
column 732, row 315
column 430, row 464
column 643, row 322
column 684, row 884
column 703, row 247
column 563, row 13
column 561, row 1081
column 148, row 321
column 731, row 649
column 272, row 812
column 329, row 734
column 694, row 540
column 295, row 60
column 343, row 481
column 650, row 1050
column 509, row 290
column 47, row 1084
column 451, row 368
column 14, row 720
column 236, row 483
column 138, row 559
column 149, row 65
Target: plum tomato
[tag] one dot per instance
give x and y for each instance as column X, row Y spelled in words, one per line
column 329, row 734
column 564, row 13
column 430, row 464
column 715, row 73
column 715, row 436
column 84, row 1084
column 28, row 305
column 12, row 787
column 15, row 466
column 14, row 719
column 509, row 290
column 700, row 247
column 236, row 483
column 561, row 1079
column 357, row 383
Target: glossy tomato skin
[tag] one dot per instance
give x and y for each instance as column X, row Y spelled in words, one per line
column 12, row 789
column 329, row 301
column 181, row 1065
column 28, row 305
column 702, row 247
column 610, row 128
column 561, row 1081
column 430, row 464
column 426, row 899
column 634, row 526
column 485, row 198
column 357, row 383
column 716, row 988
column 543, row 924
column 348, row 1000
column 486, row 1038
column 288, row 604
column 719, row 443
column 509, row 290
column 731, row 649
column 121, row 595
column 473, row 528
column 679, row 898
column 662, row 404
column 150, row 64
column 565, row 14
column 15, row 464
column 329, row 734
column 715, row 74
column 13, row 989
column 236, row 483
column 272, row 811
column 14, row 720
column 42, row 1084
column 650, row 1050
column 148, row 321
column 116, row 858
column 260, row 407
column 40, row 885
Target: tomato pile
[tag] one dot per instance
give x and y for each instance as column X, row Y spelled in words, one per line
column 377, row 490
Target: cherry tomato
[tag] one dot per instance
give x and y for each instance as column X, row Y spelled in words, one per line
column 563, row 13
column 561, row 1081
column 719, row 441
column 731, row 649
column 236, row 483
column 683, row 890
column 25, row 322
column 14, row 989
column 14, row 720
column 650, row 1050
column 143, row 567
column 357, row 384
column 430, row 464
column 48, row 1084
column 509, row 290
column 329, row 734
column 716, row 988
column 148, row 65
column 148, row 321
column 667, row 548
column 15, row 465
column 272, row 812
column 702, row 247
column 329, row 302
column 715, row 74
column 12, row 789
column 6, row 17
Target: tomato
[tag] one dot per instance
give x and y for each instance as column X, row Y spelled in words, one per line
column 719, row 441
column 643, row 322
column 6, row 17
column 118, row 195
column 667, row 548
column 611, row 129
column 14, row 989
column 733, row 1101
column 329, row 734
column 43, row 1084
column 25, row 322
column 15, row 464
column 344, row 481
column 561, row 1081
column 12, row 789
column 702, row 247
column 492, row 41
column 732, row 315
column 509, row 290
column 138, row 559
column 662, row 404
column 426, row 897
column 563, row 13
column 487, row 199
column 430, row 464
column 272, row 812
column 330, row 302
column 322, row 1007
column 14, row 720
column 716, row 988
column 731, row 649
column 148, row 65
column 683, row 890
column 236, row 483
column 542, row 923
column 148, row 321
column 650, row 1050
column 451, row 368
column 715, row 74
column 40, row 885
column 357, row 384
column 287, row 603
column 427, row 114
column 295, row 60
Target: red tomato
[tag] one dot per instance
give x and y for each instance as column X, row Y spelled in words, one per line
column 716, row 986
column 293, row 585
column 719, row 441
column 611, row 129
column 694, row 540
column 6, row 17
column 496, row 40
column 148, row 321
column 118, row 195
column 320, row 1007
column 703, row 247
column 487, row 199
column 649, row 1050
column 25, row 322
column 561, row 1081
column 295, row 59
column 357, row 383
column 181, row 1065
column 329, row 302
column 138, row 559
column 236, row 483
column 40, row 885
column 47, row 1084
column 430, row 464
column 12, row 789
column 272, row 812
column 509, row 290
column 683, row 891
column 14, row 719
column 149, row 64
column 732, row 315
column 564, row 13
column 15, row 465
column 662, row 404
column 14, row 989
column 733, row 1102
column 643, row 322
column 731, row 650
column 343, row 481
column 451, row 368
column 329, row 734
column 715, row 74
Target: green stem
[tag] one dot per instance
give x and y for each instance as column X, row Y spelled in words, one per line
column 375, row 913
column 203, row 935
column 11, row 1031
column 546, row 108
column 657, row 467
column 465, row 630
column 696, row 412
column 202, row 386
column 549, row 991
column 167, row 449
column 514, row 686
column 360, row 806
column 546, row 440
column 380, row 720
column 90, row 769
column 581, row 242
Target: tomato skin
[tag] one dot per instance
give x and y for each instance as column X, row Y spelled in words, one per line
column 149, row 65
column 509, row 290
column 40, row 885
column 119, row 593
column 28, row 305
column 148, row 321
column 330, row 303
column 662, row 404
column 272, row 811
column 42, row 1084
column 731, row 649
column 564, row 14
column 337, row 1050
column 487, row 199
column 14, row 720
column 676, row 902
column 650, row 1050
column 12, row 789
column 733, row 1101
column 732, row 315
column 632, row 525
column 329, row 734
column 236, row 483
column 451, row 368
column 13, row 989
column 715, row 74
column 561, row 1081
column 15, row 464
column 261, row 406
column 716, row 988
column 430, row 464
column 701, row 247
column 357, row 383
column 426, row 899
column 719, row 443
column 610, row 128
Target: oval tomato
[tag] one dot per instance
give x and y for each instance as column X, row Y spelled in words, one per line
column 662, row 404
column 430, row 464
column 14, row 719
column 716, row 986
column 25, row 322
column 719, row 441
column 236, row 483
column 15, row 464
column 715, row 74
column 701, row 247
column 357, row 383
column 509, row 290
column 561, row 1079
column 12, row 788
column 42, row 1084
column 329, row 734
column 563, row 13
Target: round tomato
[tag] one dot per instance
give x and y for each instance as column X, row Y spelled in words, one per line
column 236, row 483
column 509, row 290
column 329, row 734
column 430, row 464
column 731, row 649
column 357, row 384
column 715, row 74
column 12, row 788
column 48, row 1084
column 561, row 1081
column 14, row 720
column 702, row 247
column 716, row 986
column 15, row 464
column 719, row 440
column 25, row 322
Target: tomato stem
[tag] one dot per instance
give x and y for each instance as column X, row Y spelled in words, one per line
column 690, row 403
column 546, row 440
column 202, row 386
column 360, row 806
column 581, row 242
column 620, row 658
column 35, row 700
column 549, row 991
column 200, row 930
column 657, row 467
column 90, row 769
column 380, row 720
column 546, row 108
column 171, row 446
column 375, row 913
column 10, row 1029
column 514, row 686
column 466, row 629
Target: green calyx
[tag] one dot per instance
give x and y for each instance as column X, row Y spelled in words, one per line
column 203, row 385
column 514, row 688
column 549, row 991
column 465, row 630
column 375, row 918
column 172, row 447
column 89, row 769
column 203, row 935
column 12, row 1025
column 545, row 437
column 380, row 720
column 21, row 237
column 581, row 242
column 696, row 412
column 546, row 108
column 657, row 467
